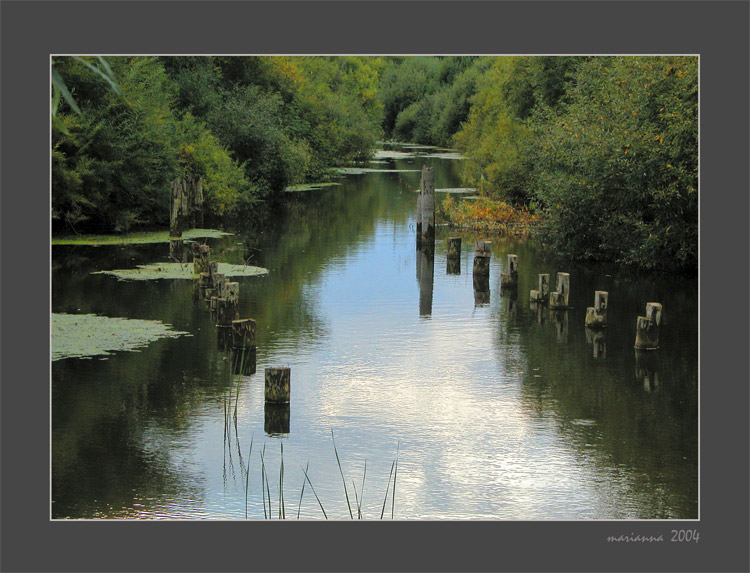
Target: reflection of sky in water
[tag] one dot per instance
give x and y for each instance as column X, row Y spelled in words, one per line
column 495, row 416
column 382, row 375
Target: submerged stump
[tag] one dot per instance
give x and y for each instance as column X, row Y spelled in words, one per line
column 278, row 385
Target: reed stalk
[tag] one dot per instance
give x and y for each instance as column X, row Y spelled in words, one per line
column 343, row 479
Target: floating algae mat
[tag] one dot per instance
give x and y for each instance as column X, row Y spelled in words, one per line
column 363, row 170
column 178, row 271
column 308, row 187
column 136, row 238
column 87, row 335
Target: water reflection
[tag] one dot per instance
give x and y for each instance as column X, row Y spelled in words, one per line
column 494, row 418
column 425, row 277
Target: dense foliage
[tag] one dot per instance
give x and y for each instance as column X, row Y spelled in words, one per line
column 603, row 149
column 607, row 147
column 250, row 126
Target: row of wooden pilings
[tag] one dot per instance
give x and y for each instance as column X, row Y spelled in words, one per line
column 238, row 336
column 647, row 327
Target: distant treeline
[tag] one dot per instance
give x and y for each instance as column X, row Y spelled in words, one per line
column 606, row 148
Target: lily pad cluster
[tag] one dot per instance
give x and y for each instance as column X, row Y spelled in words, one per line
column 87, row 335
column 136, row 238
column 155, row 271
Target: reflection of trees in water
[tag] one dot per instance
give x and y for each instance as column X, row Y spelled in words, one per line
column 608, row 406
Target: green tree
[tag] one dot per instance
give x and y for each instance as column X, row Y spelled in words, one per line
column 617, row 166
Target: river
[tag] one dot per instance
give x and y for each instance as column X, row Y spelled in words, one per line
column 493, row 409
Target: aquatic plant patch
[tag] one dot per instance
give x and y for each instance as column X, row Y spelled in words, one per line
column 155, row 271
column 308, row 187
column 87, row 335
column 136, row 238
column 363, row 170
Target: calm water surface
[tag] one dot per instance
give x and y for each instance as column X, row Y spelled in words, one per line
column 495, row 409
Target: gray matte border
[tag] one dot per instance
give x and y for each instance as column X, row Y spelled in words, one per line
column 31, row 31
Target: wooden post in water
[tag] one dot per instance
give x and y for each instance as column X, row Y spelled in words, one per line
column 244, row 360
column 201, row 259
column 482, row 256
column 596, row 316
column 175, row 213
column 509, row 278
column 243, row 333
column 232, row 291
column 541, row 295
column 278, row 383
column 558, row 300
column 427, row 205
column 218, row 281
column 647, row 327
column 223, row 339
column 226, row 312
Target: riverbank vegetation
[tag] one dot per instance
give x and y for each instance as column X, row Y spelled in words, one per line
column 598, row 155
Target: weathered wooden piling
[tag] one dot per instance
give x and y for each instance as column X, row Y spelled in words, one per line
column 226, row 311
column 596, row 316
column 426, row 205
column 177, row 249
column 244, row 360
column 647, row 327
column 276, row 419
column 243, row 333
column 224, row 339
column 559, row 299
column 509, row 277
column 482, row 256
column 213, row 301
column 278, row 385
column 204, row 280
column 232, row 291
column 213, row 268
column 201, row 259
column 218, row 281
column 541, row 294
column 175, row 214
